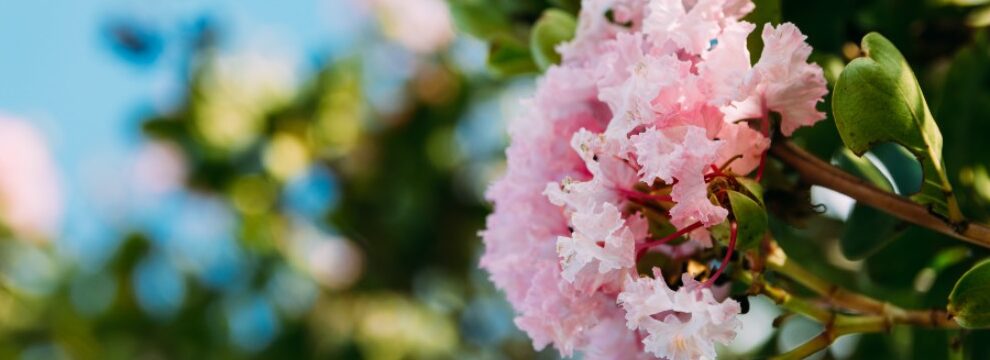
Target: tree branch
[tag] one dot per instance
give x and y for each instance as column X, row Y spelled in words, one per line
column 818, row 172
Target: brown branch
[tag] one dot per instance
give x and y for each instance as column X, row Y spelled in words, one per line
column 817, row 172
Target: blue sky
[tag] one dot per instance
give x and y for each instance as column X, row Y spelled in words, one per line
column 58, row 70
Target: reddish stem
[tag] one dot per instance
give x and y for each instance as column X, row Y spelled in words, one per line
column 733, row 230
column 644, row 246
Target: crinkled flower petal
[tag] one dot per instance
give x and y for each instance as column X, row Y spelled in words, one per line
column 783, row 81
column 601, row 248
column 682, row 154
column 682, row 324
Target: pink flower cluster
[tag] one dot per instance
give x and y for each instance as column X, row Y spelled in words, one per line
column 30, row 195
column 652, row 101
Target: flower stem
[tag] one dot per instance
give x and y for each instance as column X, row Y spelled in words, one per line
column 845, row 324
column 642, row 247
column 733, row 231
column 818, row 172
column 778, row 262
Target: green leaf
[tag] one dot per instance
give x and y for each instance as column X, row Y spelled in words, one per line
column 509, row 56
column 863, row 169
column 476, row 17
column 867, row 229
column 753, row 187
column 903, row 167
column 897, row 265
column 969, row 301
column 751, row 218
column 877, row 99
column 553, row 27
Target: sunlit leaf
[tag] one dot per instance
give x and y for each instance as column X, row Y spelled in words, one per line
column 553, row 28
column 877, row 99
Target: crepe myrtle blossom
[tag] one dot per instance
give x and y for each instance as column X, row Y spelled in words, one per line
column 680, row 324
column 422, row 26
column 30, row 194
column 627, row 149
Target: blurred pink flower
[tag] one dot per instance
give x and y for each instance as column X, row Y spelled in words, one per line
column 423, row 26
column 159, row 167
column 335, row 263
column 30, row 194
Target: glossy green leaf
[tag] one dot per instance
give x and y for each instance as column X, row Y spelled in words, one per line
column 863, row 169
column 903, row 168
column 509, row 56
column 751, row 218
column 867, row 229
column 877, row 99
column 553, row 27
column 969, row 302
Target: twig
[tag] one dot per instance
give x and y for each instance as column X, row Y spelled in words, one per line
column 876, row 316
column 838, row 324
column 777, row 261
column 818, row 172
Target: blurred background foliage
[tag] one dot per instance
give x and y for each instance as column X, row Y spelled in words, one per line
column 333, row 213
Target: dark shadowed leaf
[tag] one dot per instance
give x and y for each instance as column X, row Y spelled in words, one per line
column 969, row 301
column 766, row 11
column 867, row 230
